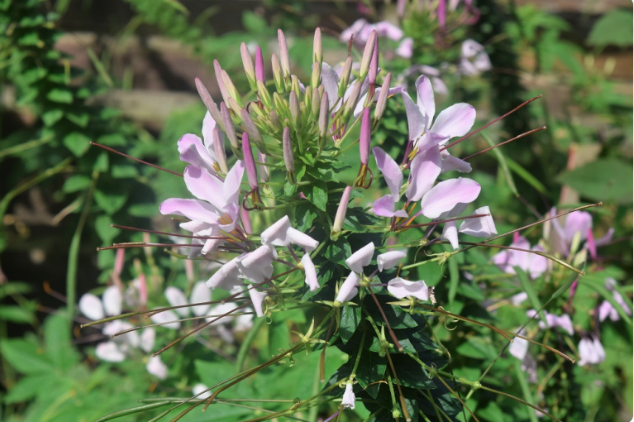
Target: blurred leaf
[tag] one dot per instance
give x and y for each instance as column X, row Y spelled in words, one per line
column 59, row 95
column 110, row 202
column 58, row 342
column 613, row 28
column 279, row 335
column 76, row 183
column 254, row 23
column 606, row 179
column 105, row 232
column 25, row 356
column 77, row 143
column 16, row 314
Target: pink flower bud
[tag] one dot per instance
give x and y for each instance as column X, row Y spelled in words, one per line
column 251, row 128
column 230, row 130
column 208, row 101
column 364, row 140
column 367, row 54
column 341, row 210
column 381, row 101
column 284, row 59
column 318, row 55
column 219, row 149
column 249, row 163
column 374, row 63
column 247, row 62
column 287, row 148
column 221, row 84
column 293, row 105
column 259, row 66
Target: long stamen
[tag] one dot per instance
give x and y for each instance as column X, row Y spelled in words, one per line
column 135, row 159
column 147, row 245
column 164, row 233
column 539, row 129
column 491, row 122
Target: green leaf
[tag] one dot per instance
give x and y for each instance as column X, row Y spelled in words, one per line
column 318, row 195
column 16, row 314
column 76, row 183
column 104, row 230
column 57, row 339
column 527, row 286
column 59, row 95
column 124, row 171
column 279, row 335
column 254, row 23
column 102, row 162
column 77, row 143
column 305, row 214
column 606, row 179
column 613, row 28
column 110, row 202
column 52, row 116
column 112, row 140
column 338, row 251
column 350, row 319
column 25, row 356
column 29, row 387
column 371, row 368
column 80, row 119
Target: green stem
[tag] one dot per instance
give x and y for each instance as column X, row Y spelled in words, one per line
column 27, row 145
column 246, row 344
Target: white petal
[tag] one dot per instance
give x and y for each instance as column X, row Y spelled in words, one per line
column 276, row 233
column 201, row 391
column 91, row 307
column 200, row 293
column 257, row 298
column 176, row 297
column 519, row 347
column 311, row 273
column 156, row 367
column 303, row 240
column 450, row 233
column 147, row 339
column 112, row 301
column 403, row 288
column 389, row 259
column 361, row 258
column 481, row 226
column 109, row 351
column 348, row 397
column 348, row 289
column 166, row 317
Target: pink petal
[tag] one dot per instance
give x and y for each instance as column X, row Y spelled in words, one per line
column 416, row 122
column 577, row 222
column 226, row 277
column 200, row 293
column 330, row 82
column 192, row 151
column 449, row 163
column 425, row 99
column 193, row 209
column 257, row 298
column 391, row 171
column 455, row 120
column 401, row 288
column 303, row 240
column 231, row 189
column 208, row 127
column 384, row 207
column 538, row 264
column 450, row 233
column 388, row 260
column 446, row 195
column 311, row 273
column 405, row 48
column 519, row 347
column 389, row 30
column 205, row 186
column 276, row 233
column 361, row 258
column 481, row 226
column 348, row 289
column 91, row 307
column 424, row 171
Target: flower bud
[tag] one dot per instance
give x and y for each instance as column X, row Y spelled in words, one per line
column 234, row 106
column 246, row 221
column 364, row 139
column 275, row 121
column 284, row 59
column 263, row 94
column 259, row 66
column 311, row 274
column 318, row 55
column 442, row 13
column 345, row 77
column 256, row 109
column 295, row 86
column 281, row 105
column 209, row 102
column 230, row 130
column 231, row 89
column 287, row 148
column 219, row 149
column 324, row 116
column 308, row 98
column 400, row 8
column 352, row 100
column 249, row 162
column 374, row 63
column 277, row 74
column 293, row 105
column 381, row 101
column 252, row 129
column 341, row 211
column 367, row 55
column 247, row 62
column 315, row 102
column 221, row 83
column 315, row 75
column 265, row 173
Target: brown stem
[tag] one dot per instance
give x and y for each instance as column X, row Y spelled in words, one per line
column 389, row 327
column 135, row 159
column 505, row 142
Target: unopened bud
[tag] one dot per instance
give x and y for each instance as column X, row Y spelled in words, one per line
column 315, row 75
column 219, row 149
column 324, row 116
column 295, row 86
column 341, row 211
column 230, row 130
column 249, row 163
column 364, row 139
column 277, row 74
column 400, row 8
column 284, row 59
column 231, row 89
column 367, row 55
column 275, row 121
column 293, row 105
column 318, row 55
column 263, row 94
column 247, row 62
column 374, row 63
column 281, row 105
column 308, row 98
column 252, row 129
column 345, row 77
column 265, row 173
column 233, row 105
column 352, row 99
column 315, row 103
column 209, row 102
column 381, row 102
column 287, row 148
column 221, row 83
column 259, row 66
column 256, row 109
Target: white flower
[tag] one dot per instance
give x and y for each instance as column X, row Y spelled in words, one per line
column 348, row 397
column 156, row 367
